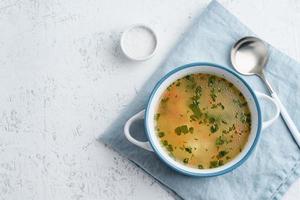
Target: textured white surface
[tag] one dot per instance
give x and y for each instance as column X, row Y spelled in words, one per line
column 63, row 80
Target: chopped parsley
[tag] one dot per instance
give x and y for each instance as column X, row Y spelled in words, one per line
column 194, row 106
column 213, row 94
column 170, row 147
column 193, row 118
column 165, row 142
column 192, row 83
column 214, row 128
column 200, row 166
column 178, row 130
column 161, row 134
column 165, row 100
column 216, row 163
column 195, row 109
column 220, row 140
column 212, row 120
column 221, row 154
column 198, row 92
column 184, row 129
column 245, row 118
column 240, row 103
column 186, row 160
column 211, row 80
column 231, row 128
column 188, row 149
column 214, row 106
column 221, row 105
column 224, row 122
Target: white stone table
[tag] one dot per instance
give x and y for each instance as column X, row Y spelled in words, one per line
column 63, row 80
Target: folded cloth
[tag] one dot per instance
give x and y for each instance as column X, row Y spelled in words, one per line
column 274, row 164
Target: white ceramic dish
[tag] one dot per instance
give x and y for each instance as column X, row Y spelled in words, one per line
column 132, row 45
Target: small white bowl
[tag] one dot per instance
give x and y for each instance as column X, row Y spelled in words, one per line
column 128, row 36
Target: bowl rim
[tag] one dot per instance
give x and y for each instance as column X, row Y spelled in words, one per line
column 202, row 174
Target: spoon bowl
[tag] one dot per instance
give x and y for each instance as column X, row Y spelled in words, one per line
column 249, row 56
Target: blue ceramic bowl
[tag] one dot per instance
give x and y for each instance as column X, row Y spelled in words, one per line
column 257, row 124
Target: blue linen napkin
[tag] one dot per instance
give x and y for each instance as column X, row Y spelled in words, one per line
column 274, row 164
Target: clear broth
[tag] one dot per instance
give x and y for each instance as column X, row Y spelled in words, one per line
column 203, row 121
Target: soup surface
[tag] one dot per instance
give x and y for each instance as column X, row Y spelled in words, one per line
column 203, row 121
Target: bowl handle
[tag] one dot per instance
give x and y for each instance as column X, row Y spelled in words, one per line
column 267, row 123
column 144, row 145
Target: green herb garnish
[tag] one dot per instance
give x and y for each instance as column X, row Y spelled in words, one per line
column 236, row 115
column 221, row 105
column 231, row 128
column 216, row 163
column 198, row 92
column 196, row 110
column 186, row 160
column 165, row 142
column 161, row 134
column 239, row 103
column 192, row 83
column 170, row 147
column 200, row 166
column 213, row 106
column 165, row 100
column 189, row 149
column 222, row 154
column 217, row 105
column 245, row 118
column 220, row 140
column 178, row 130
column 224, row 122
column 184, row 129
column 181, row 129
column 193, row 118
column 194, row 106
column 214, row 128
column 211, row 80
column 213, row 94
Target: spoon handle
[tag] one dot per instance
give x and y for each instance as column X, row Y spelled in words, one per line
column 287, row 119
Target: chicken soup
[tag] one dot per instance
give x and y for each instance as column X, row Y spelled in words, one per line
column 203, row 121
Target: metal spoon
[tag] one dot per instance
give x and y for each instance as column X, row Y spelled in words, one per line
column 249, row 56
